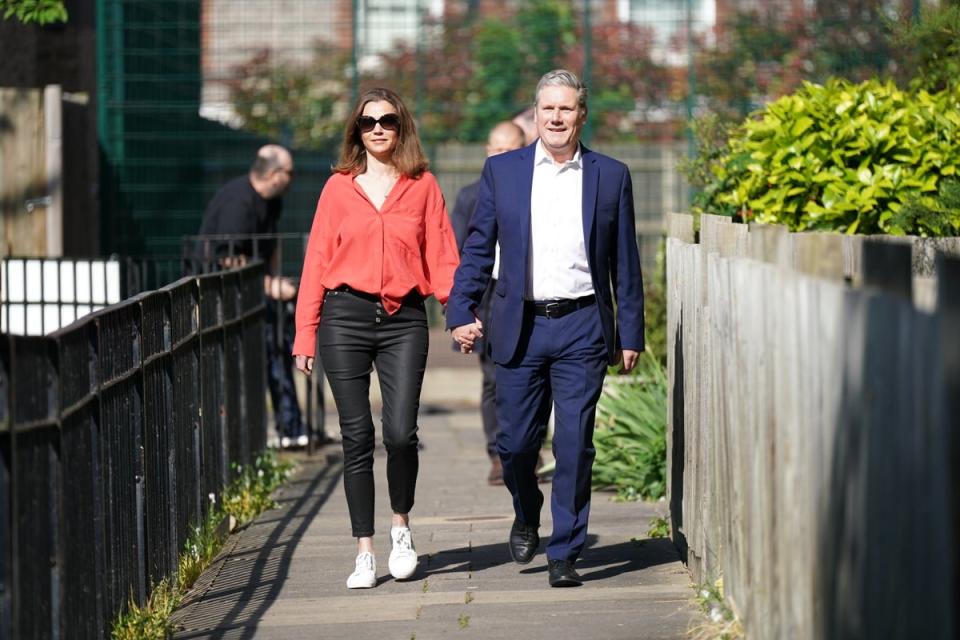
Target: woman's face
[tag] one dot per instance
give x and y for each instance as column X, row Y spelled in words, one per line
column 379, row 125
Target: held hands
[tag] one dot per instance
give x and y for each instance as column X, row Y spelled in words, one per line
column 466, row 335
column 304, row 364
column 629, row 359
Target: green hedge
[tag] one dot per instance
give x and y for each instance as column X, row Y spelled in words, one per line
column 858, row 158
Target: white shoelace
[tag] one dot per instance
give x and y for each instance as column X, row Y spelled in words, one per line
column 364, row 563
column 403, row 541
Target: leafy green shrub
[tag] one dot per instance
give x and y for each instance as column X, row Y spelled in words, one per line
column 631, row 433
column 842, row 157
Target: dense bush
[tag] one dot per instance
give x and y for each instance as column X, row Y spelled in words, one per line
column 841, row 157
column 631, row 433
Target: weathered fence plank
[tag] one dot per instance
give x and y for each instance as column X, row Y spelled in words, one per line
column 811, row 432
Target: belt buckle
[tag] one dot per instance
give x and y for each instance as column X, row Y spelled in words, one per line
column 552, row 309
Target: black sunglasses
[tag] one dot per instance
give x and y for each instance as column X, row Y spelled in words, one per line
column 389, row 121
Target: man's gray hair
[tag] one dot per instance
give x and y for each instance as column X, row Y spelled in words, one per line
column 563, row 78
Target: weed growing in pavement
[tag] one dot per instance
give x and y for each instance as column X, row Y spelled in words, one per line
column 659, row 528
column 721, row 623
column 243, row 499
column 464, row 621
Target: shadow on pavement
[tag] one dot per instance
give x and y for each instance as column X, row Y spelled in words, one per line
column 596, row 563
column 254, row 572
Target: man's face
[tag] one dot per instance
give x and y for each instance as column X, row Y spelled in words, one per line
column 282, row 176
column 502, row 141
column 559, row 118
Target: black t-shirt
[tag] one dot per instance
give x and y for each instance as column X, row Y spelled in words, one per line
column 237, row 209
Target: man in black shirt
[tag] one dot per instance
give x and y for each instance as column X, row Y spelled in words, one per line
column 248, row 205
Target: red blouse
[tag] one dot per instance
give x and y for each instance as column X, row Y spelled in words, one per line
column 407, row 245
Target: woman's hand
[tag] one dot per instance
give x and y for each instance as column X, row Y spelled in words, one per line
column 304, row 364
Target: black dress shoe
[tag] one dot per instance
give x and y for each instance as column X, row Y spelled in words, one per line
column 524, row 541
column 562, row 574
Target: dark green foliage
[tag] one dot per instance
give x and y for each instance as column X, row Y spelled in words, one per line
column 931, row 45
column 631, row 433
column 655, row 306
column 38, row 11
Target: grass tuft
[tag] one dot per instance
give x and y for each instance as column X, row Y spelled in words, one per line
column 721, row 622
column 243, row 499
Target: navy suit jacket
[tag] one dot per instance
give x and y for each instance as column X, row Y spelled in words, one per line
column 503, row 213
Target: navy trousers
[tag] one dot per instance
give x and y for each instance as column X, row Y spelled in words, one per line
column 563, row 360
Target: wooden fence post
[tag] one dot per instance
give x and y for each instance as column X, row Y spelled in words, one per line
column 948, row 313
column 886, row 265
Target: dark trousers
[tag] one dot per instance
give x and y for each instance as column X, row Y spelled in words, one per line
column 278, row 339
column 488, row 393
column 566, row 358
column 355, row 335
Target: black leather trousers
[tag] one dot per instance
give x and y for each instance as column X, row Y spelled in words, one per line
column 355, row 335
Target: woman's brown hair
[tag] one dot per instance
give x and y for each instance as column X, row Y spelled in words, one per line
column 407, row 156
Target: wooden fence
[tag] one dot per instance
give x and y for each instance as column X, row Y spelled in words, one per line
column 813, row 405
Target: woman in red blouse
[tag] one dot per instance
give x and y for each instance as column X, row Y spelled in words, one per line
column 380, row 243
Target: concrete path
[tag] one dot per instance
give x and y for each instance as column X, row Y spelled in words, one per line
column 283, row 576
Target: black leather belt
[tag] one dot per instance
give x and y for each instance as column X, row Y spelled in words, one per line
column 411, row 298
column 560, row 308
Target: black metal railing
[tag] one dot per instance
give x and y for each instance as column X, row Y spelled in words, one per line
column 285, row 253
column 113, row 433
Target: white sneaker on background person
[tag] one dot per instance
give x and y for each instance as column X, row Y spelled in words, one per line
column 364, row 576
column 302, row 440
column 403, row 557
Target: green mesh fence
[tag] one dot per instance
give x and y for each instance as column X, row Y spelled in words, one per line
column 188, row 90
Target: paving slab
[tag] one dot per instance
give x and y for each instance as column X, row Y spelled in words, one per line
column 283, row 576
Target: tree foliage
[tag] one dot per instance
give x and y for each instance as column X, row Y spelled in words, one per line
column 931, row 46
column 34, row 11
column 464, row 74
column 761, row 54
column 304, row 104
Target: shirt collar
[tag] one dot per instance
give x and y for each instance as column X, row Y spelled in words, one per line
column 540, row 156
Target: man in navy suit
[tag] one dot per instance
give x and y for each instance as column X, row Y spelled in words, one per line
column 505, row 136
column 563, row 216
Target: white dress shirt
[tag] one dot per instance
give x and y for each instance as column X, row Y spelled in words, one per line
column 557, row 266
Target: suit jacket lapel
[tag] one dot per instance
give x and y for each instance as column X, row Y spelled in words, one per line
column 591, row 188
column 525, row 189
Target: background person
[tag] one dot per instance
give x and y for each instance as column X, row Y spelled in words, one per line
column 248, row 205
column 380, row 243
column 505, row 136
column 563, row 216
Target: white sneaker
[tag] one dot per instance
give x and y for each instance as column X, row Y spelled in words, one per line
column 302, row 441
column 285, row 442
column 365, row 575
column 403, row 557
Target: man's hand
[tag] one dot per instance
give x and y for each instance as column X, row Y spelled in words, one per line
column 304, row 364
column 465, row 335
column 279, row 288
column 629, row 359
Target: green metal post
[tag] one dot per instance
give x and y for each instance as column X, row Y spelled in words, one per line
column 354, row 54
column 418, row 89
column 587, row 66
column 691, row 88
